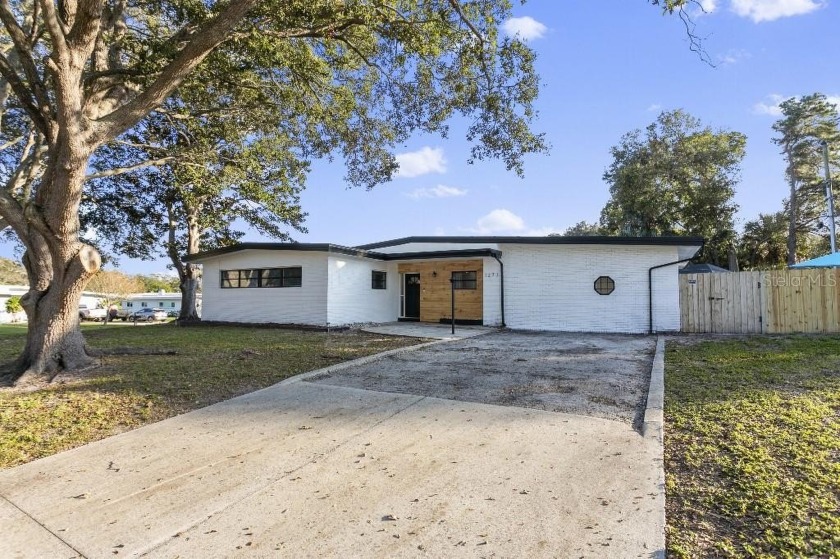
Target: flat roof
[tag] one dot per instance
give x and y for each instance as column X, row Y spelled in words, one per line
column 557, row 240
column 367, row 251
column 303, row 247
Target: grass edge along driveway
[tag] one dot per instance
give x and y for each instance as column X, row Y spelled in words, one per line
column 130, row 390
column 752, row 446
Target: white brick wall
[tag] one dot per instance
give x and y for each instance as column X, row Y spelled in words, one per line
column 350, row 296
column 551, row 287
column 548, row 287
column 492, row 293
column 287, row 305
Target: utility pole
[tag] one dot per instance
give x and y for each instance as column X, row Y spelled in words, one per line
column 829, row 197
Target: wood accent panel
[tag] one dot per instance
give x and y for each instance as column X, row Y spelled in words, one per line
column 435, row 290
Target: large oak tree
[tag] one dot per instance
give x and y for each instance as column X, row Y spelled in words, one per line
column 79, row 74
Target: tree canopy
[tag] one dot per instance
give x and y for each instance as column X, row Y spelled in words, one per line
column 334, row 78
column 806, row 123
column 677, row 177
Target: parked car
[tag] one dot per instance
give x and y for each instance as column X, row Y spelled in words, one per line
column 147, row 315
column 95, row 314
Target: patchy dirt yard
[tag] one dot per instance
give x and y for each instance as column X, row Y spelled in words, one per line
column 600, row 375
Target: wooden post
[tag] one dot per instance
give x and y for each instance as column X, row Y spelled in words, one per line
column 452, row 285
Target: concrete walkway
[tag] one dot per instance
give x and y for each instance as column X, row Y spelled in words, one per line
column 428, row 330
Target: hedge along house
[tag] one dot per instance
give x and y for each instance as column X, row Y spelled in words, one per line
column 587, row 284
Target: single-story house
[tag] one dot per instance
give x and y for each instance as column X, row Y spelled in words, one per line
column 89, row 298
column 170, row 302
column 587, row 284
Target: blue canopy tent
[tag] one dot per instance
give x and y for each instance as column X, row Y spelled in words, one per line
column 827, row 261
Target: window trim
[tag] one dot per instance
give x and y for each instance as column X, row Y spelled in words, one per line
column 464, row 283
column 610, row 289
column 257, row 273
column 376, row 275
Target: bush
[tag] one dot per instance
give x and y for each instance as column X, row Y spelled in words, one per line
column 13, row 305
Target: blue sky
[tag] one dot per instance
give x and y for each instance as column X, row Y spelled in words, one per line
column 606, row 68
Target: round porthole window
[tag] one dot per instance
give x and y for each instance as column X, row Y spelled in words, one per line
column 604, row 285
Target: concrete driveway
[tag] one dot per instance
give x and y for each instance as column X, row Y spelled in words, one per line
column 309, row 469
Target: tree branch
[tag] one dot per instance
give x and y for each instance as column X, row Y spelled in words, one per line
column 130, row 168
column 10, row 143
column 204, row 40
column 467, row 22
column 24, row 52
column 57, row 31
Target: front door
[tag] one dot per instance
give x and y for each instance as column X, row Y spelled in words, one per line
column 412, row 296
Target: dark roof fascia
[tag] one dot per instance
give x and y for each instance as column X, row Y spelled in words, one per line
column 302, row 247
column 588, row 240
column 442, row 254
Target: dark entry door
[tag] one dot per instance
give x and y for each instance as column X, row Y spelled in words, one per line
column 412, row 296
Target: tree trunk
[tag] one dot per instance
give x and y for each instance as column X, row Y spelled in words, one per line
column 791, row 240
column 54, row 340
column 189, row 287
column 187, row 273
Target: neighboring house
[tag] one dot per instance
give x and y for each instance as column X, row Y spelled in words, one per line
column 593, row 284
column 170, row 302
column 90, row 299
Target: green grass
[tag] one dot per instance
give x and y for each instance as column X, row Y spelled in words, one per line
column 127, row 391
column 752, row 447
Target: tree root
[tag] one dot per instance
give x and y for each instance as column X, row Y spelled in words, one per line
column 134, row 351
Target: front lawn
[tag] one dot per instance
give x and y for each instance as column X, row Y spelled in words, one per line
column 126, row 391
column 752, row 447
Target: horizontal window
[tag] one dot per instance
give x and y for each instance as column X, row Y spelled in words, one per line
column 262, row 277
column 378, row 280
column 464, row 280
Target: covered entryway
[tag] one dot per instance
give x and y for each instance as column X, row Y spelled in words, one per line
column 427, row 290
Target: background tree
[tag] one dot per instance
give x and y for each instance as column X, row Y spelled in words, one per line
column 763, row 243
column 226, row 169
column 583, row 229
column 806, row 122
column 114, row 287
column 677, row 177
column 157, row 282
column 86, row 72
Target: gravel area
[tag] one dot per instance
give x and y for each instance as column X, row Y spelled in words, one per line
column 599, row 375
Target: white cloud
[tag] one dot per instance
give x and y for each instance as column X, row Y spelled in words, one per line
column 421, row 162
column 771, row 107
column 834, row 99
column 733, row 57
column 499, row 221
column 654, row 108
column 769, row 10
column 439, row 191
column 505, row 222
column 703, row 8
column 526, row 28
column 708, row 6
column 542, row 231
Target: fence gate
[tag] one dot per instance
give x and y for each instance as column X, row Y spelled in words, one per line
column 722, row 303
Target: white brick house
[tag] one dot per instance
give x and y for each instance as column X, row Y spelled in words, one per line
column 587, row 284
